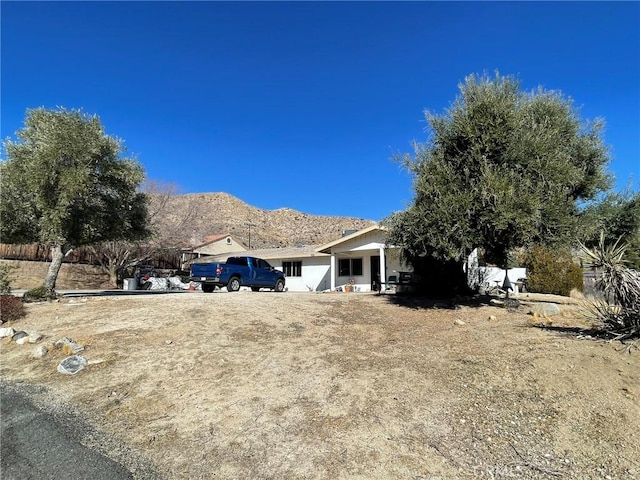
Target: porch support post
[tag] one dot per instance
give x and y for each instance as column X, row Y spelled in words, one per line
column 332, row 271
column 383, row 272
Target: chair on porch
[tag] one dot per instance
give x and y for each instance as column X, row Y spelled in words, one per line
column 392, row 281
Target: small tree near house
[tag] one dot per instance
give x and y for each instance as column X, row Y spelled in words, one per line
column 66, row 183
column 167, row 224
column 115, row 256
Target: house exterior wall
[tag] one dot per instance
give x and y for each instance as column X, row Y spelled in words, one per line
column 315, row 274
column 317, row 269
column 483, row 277
column 362, row 283
column 369, row 241
column 495, row 276
column 366, row 246
column 224, row 245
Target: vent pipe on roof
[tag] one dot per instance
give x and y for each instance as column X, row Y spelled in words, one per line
column 348, row 232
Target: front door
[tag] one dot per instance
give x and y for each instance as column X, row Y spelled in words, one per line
column 375, row 274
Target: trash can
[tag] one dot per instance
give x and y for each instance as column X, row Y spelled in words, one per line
column 130, row 284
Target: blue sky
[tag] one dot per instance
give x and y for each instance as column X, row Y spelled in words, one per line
column 303, row 104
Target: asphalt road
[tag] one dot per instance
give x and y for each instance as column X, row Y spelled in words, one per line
column 39, row 444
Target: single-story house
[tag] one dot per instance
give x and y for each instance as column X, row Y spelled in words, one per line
column 358, row 260
column 220, row 244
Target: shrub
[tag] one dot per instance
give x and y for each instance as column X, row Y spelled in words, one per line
column 5, row 278
column 11, row 308
column 39, row 294
column 619, row 312
column 552, row 271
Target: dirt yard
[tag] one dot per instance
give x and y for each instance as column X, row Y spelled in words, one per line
column 339, row 386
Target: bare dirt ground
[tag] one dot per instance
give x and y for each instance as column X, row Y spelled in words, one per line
column 340, row 386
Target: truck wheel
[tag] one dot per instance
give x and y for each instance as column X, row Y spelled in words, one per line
column 279, row 285
column 208, row 288
column 233, row 285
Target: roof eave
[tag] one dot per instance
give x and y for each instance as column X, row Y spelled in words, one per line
column 326, row 248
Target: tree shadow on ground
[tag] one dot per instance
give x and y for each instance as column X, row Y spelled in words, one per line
column 581, row 333
column 417, row 302
column 576, row 332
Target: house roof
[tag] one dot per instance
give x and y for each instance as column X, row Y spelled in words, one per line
column 209, row 239
column 215, row 238
column 326, row 248
column 304, row 251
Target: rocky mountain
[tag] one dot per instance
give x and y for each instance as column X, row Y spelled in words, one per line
column 188, row 219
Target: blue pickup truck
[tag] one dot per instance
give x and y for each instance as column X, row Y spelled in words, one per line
column 237, row 272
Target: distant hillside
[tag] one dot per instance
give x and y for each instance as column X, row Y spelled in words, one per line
column 213, row 213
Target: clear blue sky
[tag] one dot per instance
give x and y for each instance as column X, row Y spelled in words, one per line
column 303, row 104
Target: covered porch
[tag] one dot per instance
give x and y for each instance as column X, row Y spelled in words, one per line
column 362, row 262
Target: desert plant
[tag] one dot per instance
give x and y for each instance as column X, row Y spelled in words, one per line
column 11, row 308
column 619, row 312
column 552, row 271
column 5, row 278
column 39, row 294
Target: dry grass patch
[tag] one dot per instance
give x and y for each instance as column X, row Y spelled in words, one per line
column 265, row 385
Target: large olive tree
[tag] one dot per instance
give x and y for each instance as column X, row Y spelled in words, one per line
column 66, row 183
column 502, row 169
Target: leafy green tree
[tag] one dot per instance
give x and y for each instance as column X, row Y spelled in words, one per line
column 65, row 183
column 502, row 169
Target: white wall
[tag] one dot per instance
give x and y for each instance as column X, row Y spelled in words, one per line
column 316, row 271
column 364, row 246
column 369, row 241
column 315, row 274
column 478, row 276
column 225, row 245
column 493, row 274
column 392, row 262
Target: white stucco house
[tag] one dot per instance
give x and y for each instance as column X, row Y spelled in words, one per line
column 354, row 261
column 363, row 259
column 357, row 261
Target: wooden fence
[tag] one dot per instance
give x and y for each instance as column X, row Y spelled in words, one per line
column 42, row 253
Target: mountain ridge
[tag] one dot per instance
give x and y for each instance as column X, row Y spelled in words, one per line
column 194, row 216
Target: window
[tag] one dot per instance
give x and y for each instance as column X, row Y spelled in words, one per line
column 264, row 264
column 349, row 267
column 292, row 269
column 237, row 261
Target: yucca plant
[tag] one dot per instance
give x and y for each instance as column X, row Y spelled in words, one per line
column 619, row 312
